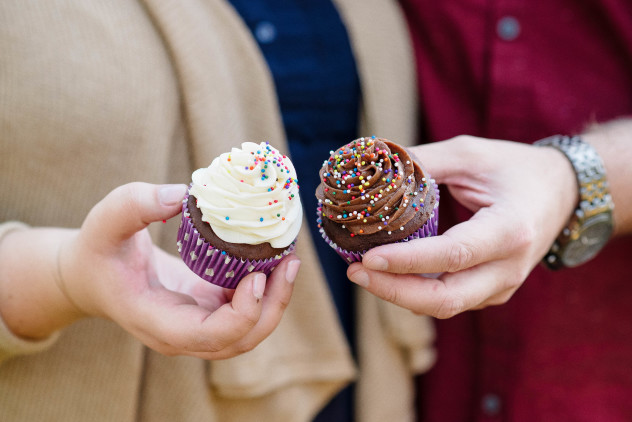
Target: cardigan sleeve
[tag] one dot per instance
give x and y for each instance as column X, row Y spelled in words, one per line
column 10, row 344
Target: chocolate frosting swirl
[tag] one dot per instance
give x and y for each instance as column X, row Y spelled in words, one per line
column 373, row 189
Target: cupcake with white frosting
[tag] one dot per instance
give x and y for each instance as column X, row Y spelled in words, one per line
column 242, row 214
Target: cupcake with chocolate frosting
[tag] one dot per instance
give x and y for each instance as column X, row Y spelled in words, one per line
column 242, row 214
column 374, row 192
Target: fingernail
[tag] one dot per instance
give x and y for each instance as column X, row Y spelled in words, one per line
column 259, row 285
column 292, row 270
column 360, row 277
column 171, row 194
column 376, row 263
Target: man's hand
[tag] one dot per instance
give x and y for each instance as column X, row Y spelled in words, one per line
column 521, row 197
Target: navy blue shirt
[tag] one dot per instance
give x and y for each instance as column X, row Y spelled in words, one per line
column 308, row 52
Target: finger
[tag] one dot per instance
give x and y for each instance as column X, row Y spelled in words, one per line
column 277, row 297
column 462, row 246
column 498, row 299
column 444, row 297
column 235, row 319
column 448, row 160
column 509, row 277
column 130, row 208
column 176, row 276
column 174, row 326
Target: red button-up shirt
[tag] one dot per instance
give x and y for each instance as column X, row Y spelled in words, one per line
column 561, row 348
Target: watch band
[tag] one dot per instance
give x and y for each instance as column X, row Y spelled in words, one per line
column 594, row 193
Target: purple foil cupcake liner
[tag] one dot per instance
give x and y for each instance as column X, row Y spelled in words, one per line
column 214, row 265
column 430, row 228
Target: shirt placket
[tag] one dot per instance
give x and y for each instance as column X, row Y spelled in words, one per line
column 507, row 71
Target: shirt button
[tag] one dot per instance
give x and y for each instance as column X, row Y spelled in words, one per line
column 508, row 28
column 265, row 32
column 491, row 404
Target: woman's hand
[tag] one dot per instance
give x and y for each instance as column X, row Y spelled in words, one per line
column 521, row 197
column 111, row 269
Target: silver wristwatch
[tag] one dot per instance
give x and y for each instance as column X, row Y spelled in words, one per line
column 591, row 225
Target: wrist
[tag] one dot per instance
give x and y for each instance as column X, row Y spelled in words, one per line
column 32, row 305
column 612, row 140
column 590, row 226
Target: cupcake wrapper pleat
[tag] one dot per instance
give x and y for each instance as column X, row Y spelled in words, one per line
column 215, row 265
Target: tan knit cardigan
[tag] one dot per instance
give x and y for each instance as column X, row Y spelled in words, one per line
column 95, row 94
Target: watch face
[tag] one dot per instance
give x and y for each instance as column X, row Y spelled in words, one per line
column 593, row 236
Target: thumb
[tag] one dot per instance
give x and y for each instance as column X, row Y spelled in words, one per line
column 130, row 208
column 449, row 160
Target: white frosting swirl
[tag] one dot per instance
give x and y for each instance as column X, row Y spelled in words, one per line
column 250, row 195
